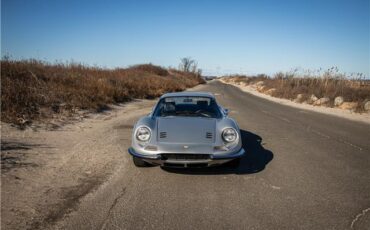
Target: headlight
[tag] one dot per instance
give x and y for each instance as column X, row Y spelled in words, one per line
column 143, row 134
column 229, row 135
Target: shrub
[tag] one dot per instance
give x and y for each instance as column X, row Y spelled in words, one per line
column 32, row 90
column 328, row 84
column 149, row 68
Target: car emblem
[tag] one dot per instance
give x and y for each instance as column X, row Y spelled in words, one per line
column 186, row 147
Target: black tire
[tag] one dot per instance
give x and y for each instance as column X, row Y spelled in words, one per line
column 234, row 163
column 139, row 162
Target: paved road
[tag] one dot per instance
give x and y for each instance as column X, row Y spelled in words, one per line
column 303, row 170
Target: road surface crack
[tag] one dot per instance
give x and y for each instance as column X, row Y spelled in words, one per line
column 114, row 203
column 363, row 213
column 335, row 139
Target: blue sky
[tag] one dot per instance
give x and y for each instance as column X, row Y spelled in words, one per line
column 223, row 36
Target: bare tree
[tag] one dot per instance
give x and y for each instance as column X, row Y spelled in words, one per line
column 194, row 67
column 199, row 72
column 187, row 64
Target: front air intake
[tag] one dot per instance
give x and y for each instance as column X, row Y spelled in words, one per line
column 209, row 135
column 162, row 134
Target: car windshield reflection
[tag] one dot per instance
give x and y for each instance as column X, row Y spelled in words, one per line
column 189, row 106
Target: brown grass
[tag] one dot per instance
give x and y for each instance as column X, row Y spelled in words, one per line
column 150, row 68
column 33, row 90
column 329, row 84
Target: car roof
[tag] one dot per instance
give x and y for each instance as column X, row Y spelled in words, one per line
column 189, row 94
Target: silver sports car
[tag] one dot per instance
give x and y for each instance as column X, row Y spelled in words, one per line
column 186, row 129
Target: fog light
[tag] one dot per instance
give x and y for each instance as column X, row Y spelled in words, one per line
column 151, row 148
column 220, row 148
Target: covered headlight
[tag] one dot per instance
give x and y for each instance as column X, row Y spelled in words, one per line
column 229, row 135
column 143, row 134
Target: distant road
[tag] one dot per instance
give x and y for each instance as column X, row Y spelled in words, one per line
column 303, row 170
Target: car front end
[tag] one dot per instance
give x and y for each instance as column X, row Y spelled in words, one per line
column 186, row 141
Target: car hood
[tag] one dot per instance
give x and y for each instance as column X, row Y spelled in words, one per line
column 190, row 130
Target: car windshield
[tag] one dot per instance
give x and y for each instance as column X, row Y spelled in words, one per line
column 187, row 106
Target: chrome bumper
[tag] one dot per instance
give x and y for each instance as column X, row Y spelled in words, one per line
column 215, row 159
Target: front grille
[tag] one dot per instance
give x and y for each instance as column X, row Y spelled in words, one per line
column 177, row 165
column 174, row 156
column 162, row 134
column 174, row 165
column 197, row 165
column 209, row 135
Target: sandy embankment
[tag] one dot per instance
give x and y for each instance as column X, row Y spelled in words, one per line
column 363, row 117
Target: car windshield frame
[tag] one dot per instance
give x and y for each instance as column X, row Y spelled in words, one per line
column 188, row 108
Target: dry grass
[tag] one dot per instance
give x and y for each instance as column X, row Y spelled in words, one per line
column 33, row 90
column 329, row 84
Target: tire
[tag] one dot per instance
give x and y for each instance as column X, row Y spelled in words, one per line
column 234, row 163
column 139, row 162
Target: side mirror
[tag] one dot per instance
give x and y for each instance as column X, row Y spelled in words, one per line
column 226, row 112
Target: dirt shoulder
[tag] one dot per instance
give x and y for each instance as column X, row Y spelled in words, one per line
column 48, row 169
column 363, row 117
column 46, row 172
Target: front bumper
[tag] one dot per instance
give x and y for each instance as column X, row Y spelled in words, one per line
column 214, row 159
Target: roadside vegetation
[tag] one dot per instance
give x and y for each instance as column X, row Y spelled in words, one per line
column 33, row 90
column 329, row 88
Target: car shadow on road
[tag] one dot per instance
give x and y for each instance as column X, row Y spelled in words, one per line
column 254, row 161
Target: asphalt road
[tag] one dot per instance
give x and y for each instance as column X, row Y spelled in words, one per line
column 303, row 170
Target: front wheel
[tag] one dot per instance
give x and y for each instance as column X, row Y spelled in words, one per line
column 139, row 162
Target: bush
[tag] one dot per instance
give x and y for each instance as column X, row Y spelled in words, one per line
column 157, row 70
column 33, row 90
column 328, row 84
